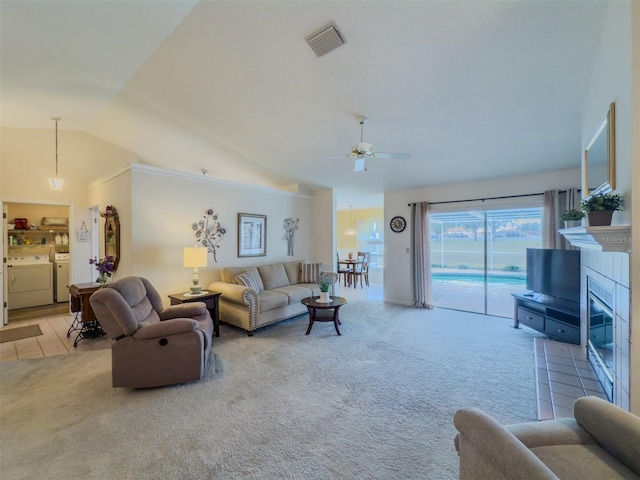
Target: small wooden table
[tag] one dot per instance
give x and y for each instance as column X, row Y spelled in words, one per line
column 320, row 312
column 210, row 298
column 85, row 320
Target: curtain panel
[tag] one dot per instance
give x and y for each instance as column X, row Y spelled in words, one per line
column 421, row 256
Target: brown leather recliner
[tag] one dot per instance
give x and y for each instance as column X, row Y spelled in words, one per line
column 153, row 345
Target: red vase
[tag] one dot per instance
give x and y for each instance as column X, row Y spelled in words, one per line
column 600, row 218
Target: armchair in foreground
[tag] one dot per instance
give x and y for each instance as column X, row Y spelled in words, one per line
column 602, row 441
column 153, row 346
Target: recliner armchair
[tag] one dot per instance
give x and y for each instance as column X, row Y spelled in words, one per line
column 153, row 346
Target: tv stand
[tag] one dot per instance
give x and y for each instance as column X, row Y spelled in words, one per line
column 557, row 318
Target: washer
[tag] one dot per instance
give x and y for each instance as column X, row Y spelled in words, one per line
column 30, row 281
column 61, row 277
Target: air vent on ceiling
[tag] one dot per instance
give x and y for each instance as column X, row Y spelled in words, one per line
column 326, row 40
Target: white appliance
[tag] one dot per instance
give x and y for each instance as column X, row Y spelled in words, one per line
column 61, row 277
column 30, row 281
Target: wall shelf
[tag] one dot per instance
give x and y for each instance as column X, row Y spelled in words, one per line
column 614, row 238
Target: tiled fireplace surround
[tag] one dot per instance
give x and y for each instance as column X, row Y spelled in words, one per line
column 611, row 270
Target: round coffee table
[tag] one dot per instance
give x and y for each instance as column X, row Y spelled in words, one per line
column 324, row 312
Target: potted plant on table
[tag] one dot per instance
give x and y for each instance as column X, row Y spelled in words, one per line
column 324, row 290
column 572, row 218
column 600, row 208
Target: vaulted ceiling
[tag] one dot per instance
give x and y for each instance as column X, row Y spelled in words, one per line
column 472, row 89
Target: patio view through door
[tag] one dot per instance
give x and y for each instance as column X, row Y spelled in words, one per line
column 478, row 257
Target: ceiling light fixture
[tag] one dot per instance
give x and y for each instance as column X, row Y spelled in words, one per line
column 56, row 183
column 350, row 232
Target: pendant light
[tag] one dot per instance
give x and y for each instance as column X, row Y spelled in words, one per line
column 56, row 183
column 350, row 232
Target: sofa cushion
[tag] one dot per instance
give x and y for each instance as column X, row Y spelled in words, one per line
column 293, row 271
column 578, row 462
column 273, row 276
column 248, row 280
column 294, row 292
column 270, row 300
column 228, row 275
column 309, row 272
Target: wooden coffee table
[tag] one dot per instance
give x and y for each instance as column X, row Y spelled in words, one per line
column 324, row 312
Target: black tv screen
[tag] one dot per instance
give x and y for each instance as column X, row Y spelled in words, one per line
column 554, row 272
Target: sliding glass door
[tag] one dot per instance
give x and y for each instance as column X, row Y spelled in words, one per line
column 478, row 257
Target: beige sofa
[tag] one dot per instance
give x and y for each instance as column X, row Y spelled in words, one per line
column 280, row 289
column 602, row 442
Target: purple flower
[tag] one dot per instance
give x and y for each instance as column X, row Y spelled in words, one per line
column 105, row 266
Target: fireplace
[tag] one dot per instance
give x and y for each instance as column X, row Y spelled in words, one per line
column 601, row 336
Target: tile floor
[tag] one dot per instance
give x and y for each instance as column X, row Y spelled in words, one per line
column 563, row 375
column 53, row 341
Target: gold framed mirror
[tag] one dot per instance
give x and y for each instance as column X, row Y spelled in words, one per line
column 112, row 234
column 599, row 159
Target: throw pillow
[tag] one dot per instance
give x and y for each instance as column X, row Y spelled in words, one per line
column 273, row 276
column 247, row 279
column 309, row 272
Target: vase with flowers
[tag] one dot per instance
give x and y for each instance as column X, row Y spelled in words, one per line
column 105, row 268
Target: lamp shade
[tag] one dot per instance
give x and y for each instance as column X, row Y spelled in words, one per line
column 195, row 257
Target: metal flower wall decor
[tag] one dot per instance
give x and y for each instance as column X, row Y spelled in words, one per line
column 290, row 226
column 208, row 232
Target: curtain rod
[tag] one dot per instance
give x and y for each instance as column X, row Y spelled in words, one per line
column 488, row 198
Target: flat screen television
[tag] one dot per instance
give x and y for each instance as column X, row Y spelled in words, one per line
column 554, row 272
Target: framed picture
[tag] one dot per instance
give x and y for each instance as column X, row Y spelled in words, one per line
column 252, row 235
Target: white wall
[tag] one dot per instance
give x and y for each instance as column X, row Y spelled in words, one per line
column 397, row 282
column 634, row 206
column 615, row 77
column 611, row 82
column 164, row 205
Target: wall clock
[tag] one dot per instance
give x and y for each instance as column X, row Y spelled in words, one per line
column 398, row 224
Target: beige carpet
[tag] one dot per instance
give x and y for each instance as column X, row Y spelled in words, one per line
column 18, row 333
column 375, row 403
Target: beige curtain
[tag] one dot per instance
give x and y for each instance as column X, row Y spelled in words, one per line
column 421, row 257
column 555, row 203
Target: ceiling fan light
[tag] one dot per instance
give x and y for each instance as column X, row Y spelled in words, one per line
column 364, row 147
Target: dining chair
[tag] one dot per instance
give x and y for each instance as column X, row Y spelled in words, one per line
column 361, row 270
column 342, row 269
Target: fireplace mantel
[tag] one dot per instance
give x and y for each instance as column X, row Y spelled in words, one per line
column 614, row 238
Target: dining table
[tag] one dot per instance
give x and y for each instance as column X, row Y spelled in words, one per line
column 351, row 263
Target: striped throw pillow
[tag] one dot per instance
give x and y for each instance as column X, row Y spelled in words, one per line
column 247, row 279
column 309, row 272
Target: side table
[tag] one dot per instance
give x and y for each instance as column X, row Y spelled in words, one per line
column 209, row 298
column 85, row 320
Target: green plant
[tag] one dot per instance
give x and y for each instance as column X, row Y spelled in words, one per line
column 511, row 268
column 607, row 201
column 571, row 214
column 324, row 285
column 462, row 267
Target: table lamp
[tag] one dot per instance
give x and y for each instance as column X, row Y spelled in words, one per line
column 195, row 257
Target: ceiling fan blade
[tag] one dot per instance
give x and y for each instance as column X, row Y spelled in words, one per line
column 333, row 157
column 398, row 156
column 360, row 165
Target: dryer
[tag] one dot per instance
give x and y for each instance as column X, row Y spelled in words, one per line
column 61, row 277
column 30, row 281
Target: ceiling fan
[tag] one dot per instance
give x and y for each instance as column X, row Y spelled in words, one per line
column 362, row 151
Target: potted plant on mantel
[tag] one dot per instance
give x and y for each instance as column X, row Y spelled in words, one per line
column 600, row 208
column 572, row 218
